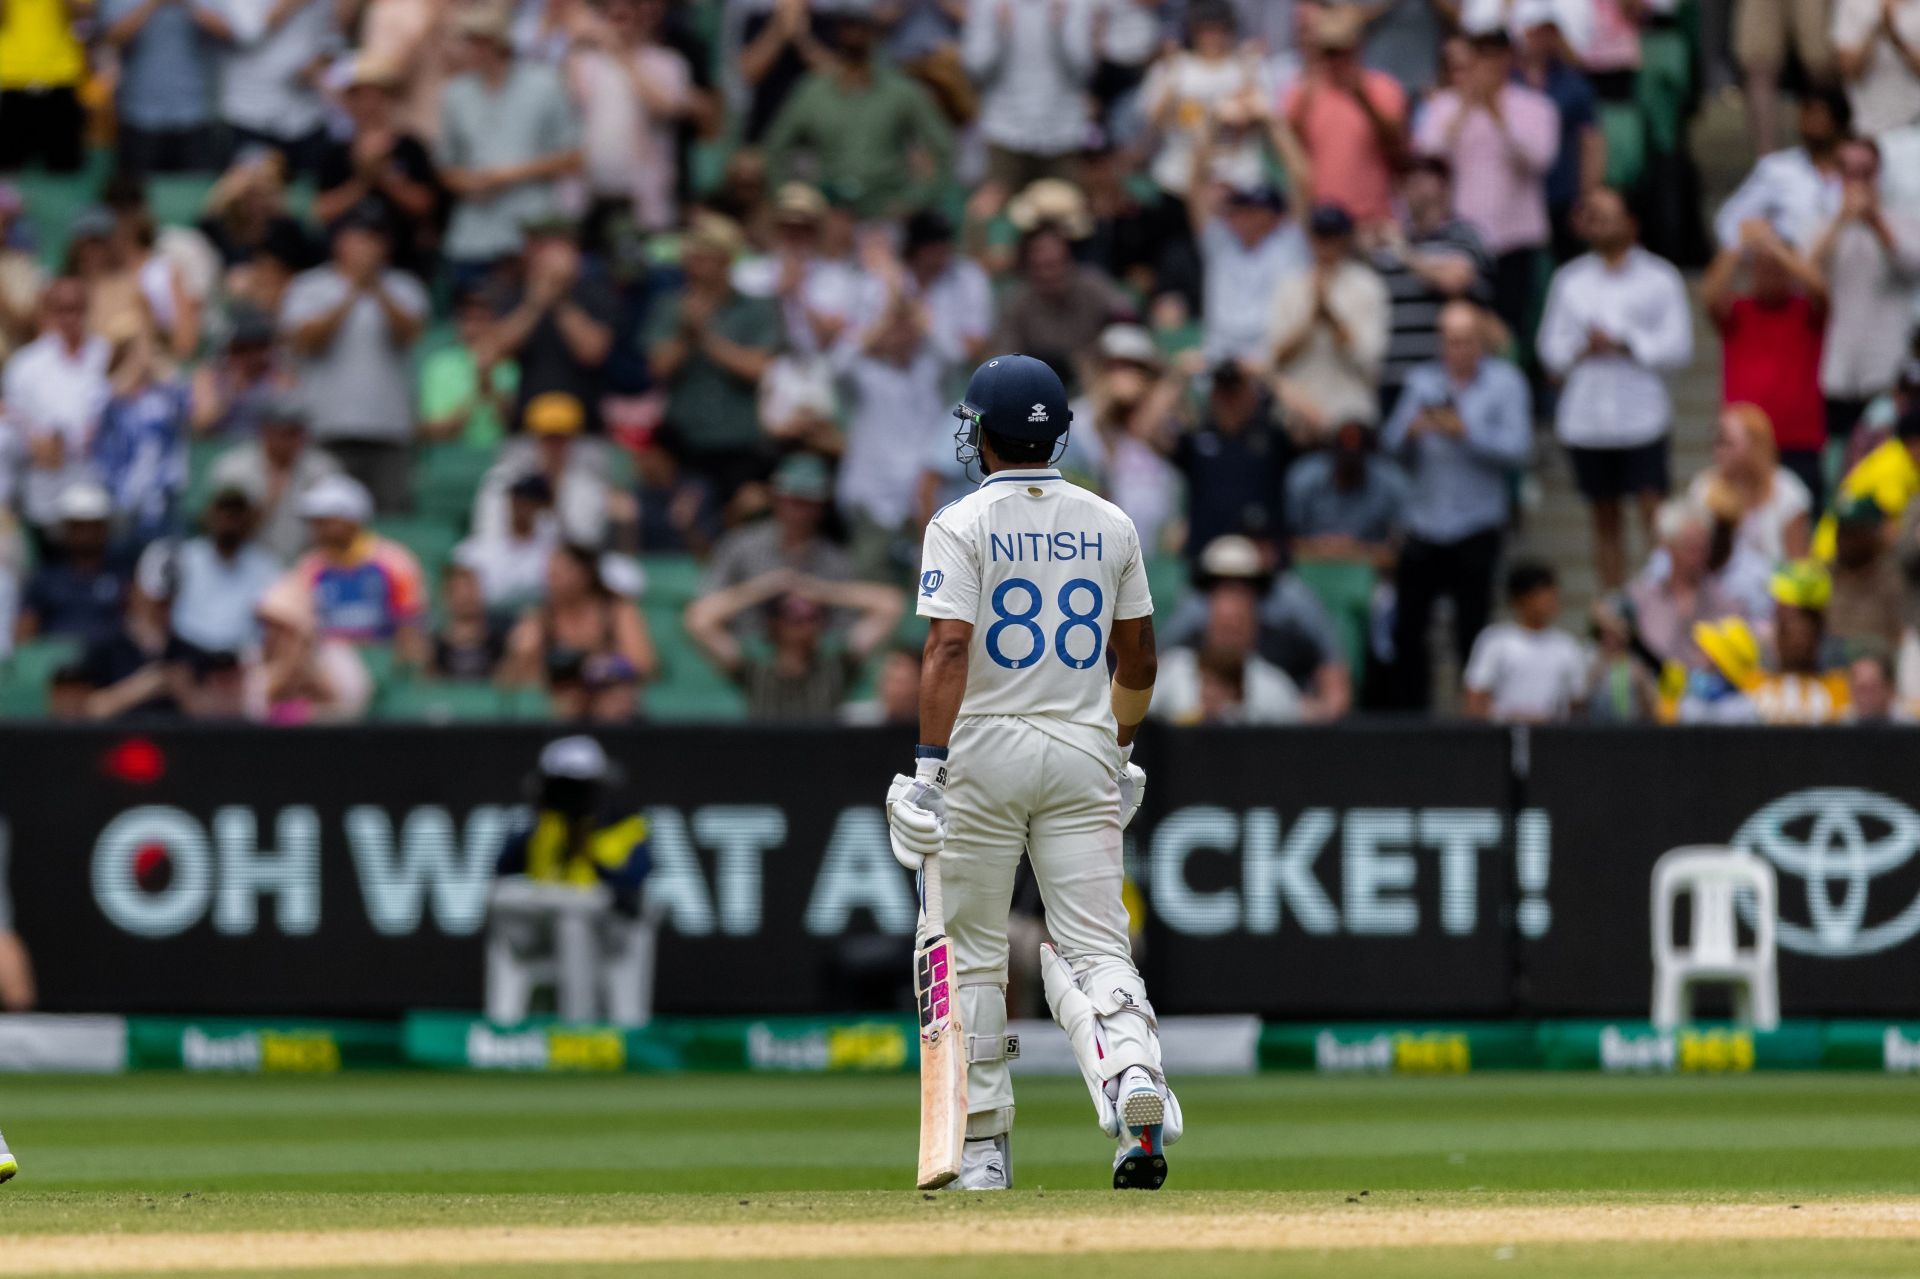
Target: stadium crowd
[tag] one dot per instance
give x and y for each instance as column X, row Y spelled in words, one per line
column 594, row 358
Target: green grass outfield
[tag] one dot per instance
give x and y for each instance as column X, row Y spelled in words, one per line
column 182, row 1153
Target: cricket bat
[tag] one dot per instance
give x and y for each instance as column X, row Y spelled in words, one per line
column 943, row 1054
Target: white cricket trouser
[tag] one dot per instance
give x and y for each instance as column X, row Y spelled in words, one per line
column 1012, row 788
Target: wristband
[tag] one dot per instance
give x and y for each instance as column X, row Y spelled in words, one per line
column 930, row 765
column 1130, row 704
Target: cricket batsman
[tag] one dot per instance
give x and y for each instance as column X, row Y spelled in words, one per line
column 1036, row 591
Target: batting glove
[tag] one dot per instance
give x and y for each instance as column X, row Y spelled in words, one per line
column 917, row 814
column 1133, row 787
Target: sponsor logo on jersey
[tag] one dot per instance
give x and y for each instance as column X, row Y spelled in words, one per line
column 930, row 582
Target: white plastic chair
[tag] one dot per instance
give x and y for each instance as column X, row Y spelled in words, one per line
column 1714, row 876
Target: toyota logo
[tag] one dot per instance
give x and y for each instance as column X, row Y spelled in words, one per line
column 1838, row 839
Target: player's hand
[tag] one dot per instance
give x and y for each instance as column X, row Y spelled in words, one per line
column 1133, row 790
column 916, row 820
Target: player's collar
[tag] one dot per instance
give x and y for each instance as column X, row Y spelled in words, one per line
column 1026, row 473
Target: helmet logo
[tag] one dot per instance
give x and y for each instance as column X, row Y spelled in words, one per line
column 1039, row 414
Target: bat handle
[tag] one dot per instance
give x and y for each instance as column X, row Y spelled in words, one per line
column 933, row 906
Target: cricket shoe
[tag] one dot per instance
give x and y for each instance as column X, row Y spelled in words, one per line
column 986, row 1163
column 1141, row 1161
column 8, row 1164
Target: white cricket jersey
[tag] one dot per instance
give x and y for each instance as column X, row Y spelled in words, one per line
column 1042, row 568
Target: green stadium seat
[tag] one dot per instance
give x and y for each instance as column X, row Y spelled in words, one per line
column 672, row 582
column 431, row 541
column 445, row 479
column 1346, row 592
column 1167, row 578
column 1625, row 129
column 27, row 672
column 178, row 199
column 201, row 455
column 444, row 702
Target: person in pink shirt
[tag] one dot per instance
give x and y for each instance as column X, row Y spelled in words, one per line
column 1501, row 139
column 1351, row 120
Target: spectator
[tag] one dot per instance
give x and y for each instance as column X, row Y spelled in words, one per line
column 1720, row 691
column 1461, row 427
column 82, row 592
column 1797, row 191
column 277, row 467
column 508, row 558
column 871, row 133
column 1328, row 334
column 557, row 326
column 269, row 75
column 708, row 346
column 230, row 390
column 365, row 588
column 1346, row 504
column 676, row 511
column 300, row 675
column 1428, row 260
column 1235, row 466
column 467, row 391
column 1872, row 692
column 1351, row 121
column 1770, row 339
column 794, row 538
column 42, row 66
column 1248, row 249
column 800, row 681
column 1889, row 474
column 1528, row 670
column 952, row 289
column 261, row 245
column 1191, row 94
column 1123, row 425
column 382, row 167
column 1057, row 308
column 818, row 294
column 1770, row 506
column 163, row 99
column 1678, row 590
column 896, row 692
column 507, row 139
column 147, row 292
column 54, row 388
column 1501, row 139
column 1617, row 321
column 351, row 324
column 471, row 640
column 1876, row 47
column 1871, row 259
column 1129, row 238
column 1620, row 688
column 21, row 279
column 586, row 643
column 771, row 46
column 202, row 592
column 586, row 506
column 632, row 92
column 1865, row 613
column 1763, row 33
column 1223, row 668
column 140, row 449
column 1032, row 60
column 1549, row 66
column 1804, row 686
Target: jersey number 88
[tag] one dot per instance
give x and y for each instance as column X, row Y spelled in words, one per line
column 1023, row 620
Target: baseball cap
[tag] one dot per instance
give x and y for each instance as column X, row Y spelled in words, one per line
column 84, row 501
column 554, row 413
column 925, row 227
column 577, row 759
column 336, row 497
column 1729, row 644
column 715, row 233
column 1232, row 555
column 798, row 202
column 1330, row 220
column 803, row 476
column 1129, row 342
column 1052, row 202
column 1338, row 27
column 1801, row 584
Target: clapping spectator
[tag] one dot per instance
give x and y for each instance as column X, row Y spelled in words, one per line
column 300, row 675
column 365, row 588
column 1427, row 261
column 793, row 538
column 586, row 643
column 1678, row 588
column 1876, row 50
column 1351, row 120
column 871, row 133
column 201, row 592
column 230, row 389
column 277, row 467
column 351, row 324
column 140, row 450
column 81, row 592
column 677, row 512
column 507, row 138
column 1617, row 322
column 819, row 295
column 632, row 92
column 163, row 100
column 1764, row 31
column 1193, row 94
column 1796, row 191
column 1528, row 670
column 1221, row 677
column 508, row 558
column 1032, row 60
column 1235, row 465
column 1057, row 307
column 54, row 389
column 552, row 445
column 1770, row 340
column 261, row 245
column 467, row 390
column 1328, row 333
column 1346, row 503
column 1870, row 257
column 1770, row 505
column 1123, row 425
column 708, row 347
column 381, row 166
column 1805, row 684
column 557, row 326
column 270, row 74
column 1501, row 139
column 800, row 680
column 1249, row 247
column 951, row 288
column 1462, row 426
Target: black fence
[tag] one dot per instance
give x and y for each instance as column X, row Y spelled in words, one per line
column 1333, row 872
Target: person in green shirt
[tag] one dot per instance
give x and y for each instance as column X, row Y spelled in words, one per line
column 460, row 399
column 873, row 135
column 709, row 346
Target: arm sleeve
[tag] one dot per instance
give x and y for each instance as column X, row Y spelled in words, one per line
column 980, row 43
column 1483, row 668
column 1132, row 597
column 1393, row 436
column 1503, row 435
column 1536, row 135
column 949, row 575
column 1748, row 200
column 1668, row 343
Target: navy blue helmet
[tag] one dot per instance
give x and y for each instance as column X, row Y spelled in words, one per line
column 1016, row 397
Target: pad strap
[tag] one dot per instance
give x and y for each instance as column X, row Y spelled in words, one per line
column 982, row 1049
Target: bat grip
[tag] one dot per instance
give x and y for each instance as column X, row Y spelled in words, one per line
column 933, row 905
